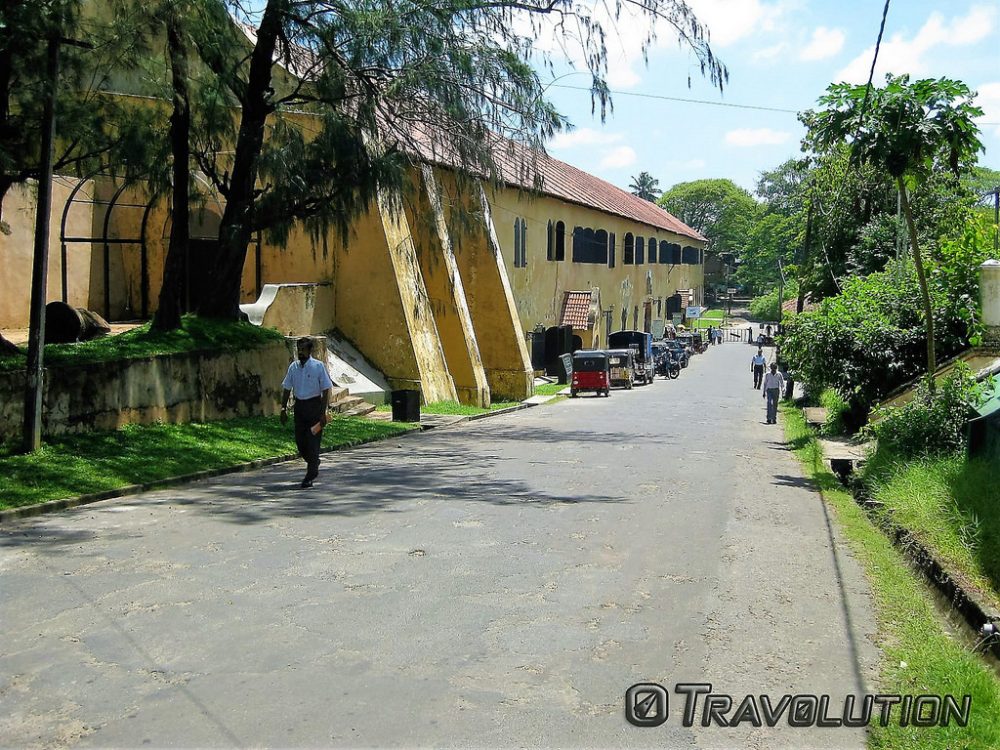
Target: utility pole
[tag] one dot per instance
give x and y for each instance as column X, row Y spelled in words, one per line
column 32, row 434
column 34, row 383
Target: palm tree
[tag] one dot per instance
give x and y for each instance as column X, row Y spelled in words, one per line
column 645, row 186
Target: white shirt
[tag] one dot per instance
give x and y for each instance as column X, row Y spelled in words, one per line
column 308, row 380
column 758, row 360
column 773, row 380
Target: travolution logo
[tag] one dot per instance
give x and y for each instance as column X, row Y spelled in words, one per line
column 647, row 704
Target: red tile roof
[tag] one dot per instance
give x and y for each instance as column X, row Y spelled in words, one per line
column 561, row 180
column 576, row 310
column 535, row 171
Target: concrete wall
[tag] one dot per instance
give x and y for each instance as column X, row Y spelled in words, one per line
column 177, row 388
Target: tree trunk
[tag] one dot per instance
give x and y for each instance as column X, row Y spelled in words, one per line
column 168, row 312
column 922, row 279
column 236, row 227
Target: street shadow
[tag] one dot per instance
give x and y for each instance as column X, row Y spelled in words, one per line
column 787, row 480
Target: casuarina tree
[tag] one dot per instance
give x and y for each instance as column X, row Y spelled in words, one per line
column 908, row 129
column 383, row 83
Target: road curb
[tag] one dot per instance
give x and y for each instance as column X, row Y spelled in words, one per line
column 53, row 506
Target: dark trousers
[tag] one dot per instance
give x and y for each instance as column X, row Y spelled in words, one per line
column 773, row 394
column 307, row 414
column 758, row 375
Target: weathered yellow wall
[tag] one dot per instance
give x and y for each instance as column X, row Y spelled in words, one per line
column 491, row 300
column 445, row 290
column 17, row 250
column 538, row 288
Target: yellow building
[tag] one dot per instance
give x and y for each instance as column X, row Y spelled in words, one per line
column 436, row 288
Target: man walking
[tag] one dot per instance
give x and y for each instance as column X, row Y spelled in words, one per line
column 774, row 384
column 757, row 365
column 308, row 379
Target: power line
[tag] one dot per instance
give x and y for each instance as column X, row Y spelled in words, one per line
column 731, row 105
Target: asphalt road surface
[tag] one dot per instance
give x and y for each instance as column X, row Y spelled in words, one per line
column 496, row 584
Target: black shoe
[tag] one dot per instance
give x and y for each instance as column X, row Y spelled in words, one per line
column 306, row 483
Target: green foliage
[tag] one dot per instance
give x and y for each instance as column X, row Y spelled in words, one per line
column 195, row 334
column 645, row 186
column 837, row 413
column 766, row 307
column 933, row 422
column 74, row 465
column 906, row 129
column 867, row 340
column 718, row 209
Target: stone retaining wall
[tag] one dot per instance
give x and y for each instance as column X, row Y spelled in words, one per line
column 194, row 386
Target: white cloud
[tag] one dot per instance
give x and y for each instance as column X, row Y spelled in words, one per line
column 732, row 20
column 583, row 137
column 747, row 137
column 616, row 158
column 989, row 100
column 824, row 43
column 900, row 55
column 770, row 53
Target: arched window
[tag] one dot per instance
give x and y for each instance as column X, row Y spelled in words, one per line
column 517, row 243
column 560, row 241
column 629, row 257
column 640, row 251
column 664, row 252
column 611, row 250
column 652, row 250
column 550, row 242
column 689, row 256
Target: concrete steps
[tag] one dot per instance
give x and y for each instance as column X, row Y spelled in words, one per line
column 341, row 402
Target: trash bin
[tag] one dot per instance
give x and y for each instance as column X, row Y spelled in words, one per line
column 406, row 406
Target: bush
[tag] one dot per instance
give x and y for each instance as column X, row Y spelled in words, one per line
column 765, row 307
column 837, row 413
column 932, row 424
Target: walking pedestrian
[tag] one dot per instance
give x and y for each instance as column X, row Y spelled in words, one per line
column 757, row 365
column 308, row 379
column 774, row 383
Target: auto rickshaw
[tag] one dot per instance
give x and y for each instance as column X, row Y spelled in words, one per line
column 622, row 364
column 590, row 372
column 641, row 343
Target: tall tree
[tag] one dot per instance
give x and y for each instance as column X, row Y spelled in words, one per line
column 718, row 209
column 386, row 82
column 908, row 130
column 645, row 186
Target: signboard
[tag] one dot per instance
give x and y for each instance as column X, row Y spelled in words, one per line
column 694, row 312
column 731, row 292
column 657, row 329
column 677, row 318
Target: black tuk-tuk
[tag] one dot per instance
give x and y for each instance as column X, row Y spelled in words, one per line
column 622, row 364
column 641, row 343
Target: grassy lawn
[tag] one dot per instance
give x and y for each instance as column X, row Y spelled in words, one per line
column 918, row 657
column 76, row 465
column 455, row 408
column 195, row 334
column 549, row 389
column 952, row 506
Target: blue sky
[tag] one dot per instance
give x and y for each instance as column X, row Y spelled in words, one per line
column 781, row 54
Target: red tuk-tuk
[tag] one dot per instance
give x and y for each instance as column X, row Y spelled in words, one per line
column 590, row 372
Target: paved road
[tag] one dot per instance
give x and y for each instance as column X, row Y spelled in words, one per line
column 496, row 584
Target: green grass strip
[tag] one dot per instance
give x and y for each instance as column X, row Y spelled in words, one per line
column 549, row 389
column 952, row 506
column 75, row 465
column 456, row 409
column 918, row 656
column 195, row 334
